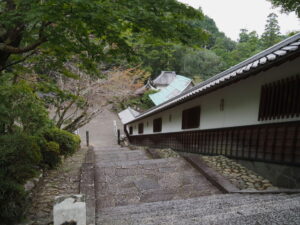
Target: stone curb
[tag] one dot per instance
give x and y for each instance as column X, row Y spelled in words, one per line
column 87, row 185
column 214, row 177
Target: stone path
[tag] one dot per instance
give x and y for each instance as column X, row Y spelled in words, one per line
column 132, row 177
column 101, row 129
column 125, row 177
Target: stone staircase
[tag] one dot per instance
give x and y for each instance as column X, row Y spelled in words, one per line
column 219, row 209
column 132, row 188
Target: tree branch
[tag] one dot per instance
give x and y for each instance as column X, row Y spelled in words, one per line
column 18, row 61
column 15, row 50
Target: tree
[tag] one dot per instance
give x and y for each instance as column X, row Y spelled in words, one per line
column 94, row 31
column 271, row 34
column 75, row 102
column 201, row 63
column 288, row 5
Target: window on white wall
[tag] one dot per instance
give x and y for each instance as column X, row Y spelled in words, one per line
column 130, row 130
column 157, row 125
column 141, row 128
column 191, row 118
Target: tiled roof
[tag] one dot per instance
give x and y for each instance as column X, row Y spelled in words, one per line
column 165, row 78
column 177, row 86
column 254, row 64
column 128, row 115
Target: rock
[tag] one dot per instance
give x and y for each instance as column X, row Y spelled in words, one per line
column 265, row 181
column 29, row 185
column 69, row 208
column 257, row 185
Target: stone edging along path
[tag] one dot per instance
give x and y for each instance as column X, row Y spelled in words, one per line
column 87, row 185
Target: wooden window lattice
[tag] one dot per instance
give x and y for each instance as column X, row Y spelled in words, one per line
column 280, row 99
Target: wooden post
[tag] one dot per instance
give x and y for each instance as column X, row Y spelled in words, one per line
column 87, row 138
column 119, row 140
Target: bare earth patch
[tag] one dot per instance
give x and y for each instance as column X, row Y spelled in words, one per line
column 240, row 176
column 61, row 181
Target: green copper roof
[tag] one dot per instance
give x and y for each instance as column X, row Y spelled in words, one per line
column 178, row 85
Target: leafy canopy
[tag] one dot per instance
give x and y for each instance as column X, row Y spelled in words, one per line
column 288, row 5
column 91, row 31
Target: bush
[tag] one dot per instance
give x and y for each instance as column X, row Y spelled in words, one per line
column 68, row 142
column 12, row 201
column 51, row 154
column 19, row 159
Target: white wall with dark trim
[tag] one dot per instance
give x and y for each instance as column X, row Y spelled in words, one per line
column 241, row 103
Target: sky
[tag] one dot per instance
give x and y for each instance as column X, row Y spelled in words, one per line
column 232, row 15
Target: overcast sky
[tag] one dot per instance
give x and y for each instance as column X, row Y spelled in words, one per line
column 232, row 15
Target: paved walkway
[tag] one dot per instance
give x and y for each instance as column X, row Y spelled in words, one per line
column 126, row 177
column 101, row 129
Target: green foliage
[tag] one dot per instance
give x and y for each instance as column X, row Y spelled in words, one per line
column 21, row 109
column 201, row 63
column 12, row 201
column 140, row 103
column 271, row 34
column 51, row 154
column 288, row 5
column 19, row 156
column 68, row 142
column 145, row 101
column 90, row 31
column 19, row 159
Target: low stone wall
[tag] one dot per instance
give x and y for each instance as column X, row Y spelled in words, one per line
column 280, row 175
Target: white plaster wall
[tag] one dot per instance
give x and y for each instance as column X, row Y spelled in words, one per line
column 241, row 103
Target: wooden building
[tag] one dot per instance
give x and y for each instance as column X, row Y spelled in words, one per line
column 250, row 111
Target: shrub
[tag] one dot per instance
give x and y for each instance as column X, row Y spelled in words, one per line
column 19, row 159
column 68, row 142
column 12, row 201
column 51, row 154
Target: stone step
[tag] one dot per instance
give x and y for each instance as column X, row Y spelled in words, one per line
column 204, row 210
column 153, row 188
column 289, row 216
column 108, row 158
column 108, row 155
column 107, row 150
column 147, row 163
column 178, row 205
column 120, row 152
column 256, row 213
